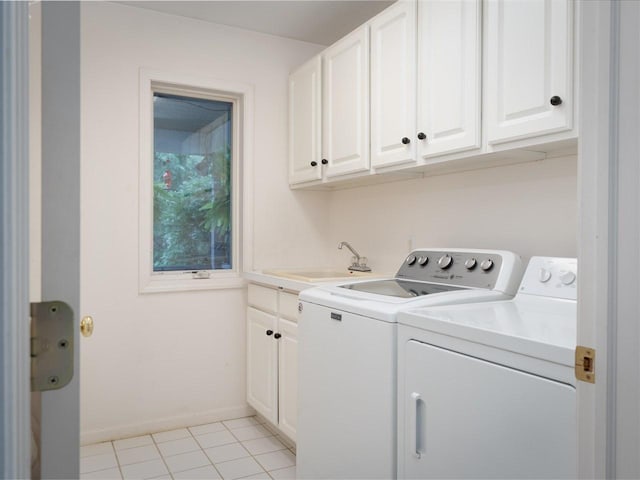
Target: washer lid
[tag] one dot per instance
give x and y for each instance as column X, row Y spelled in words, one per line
column 399, row 288
column 538, row 327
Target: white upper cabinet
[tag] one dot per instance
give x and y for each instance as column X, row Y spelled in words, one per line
column 529, row 68
column 393, row 85
column 345, row 112
column 449, row 76
column 305, row 123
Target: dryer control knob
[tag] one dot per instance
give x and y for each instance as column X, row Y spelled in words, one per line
column 445, row 261
column 411, row 259
column 486, row 265
column 567, row 278
column 471, row 263
column 423, row 260
column 544, row 275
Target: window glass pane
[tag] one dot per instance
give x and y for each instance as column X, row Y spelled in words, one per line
column 192, row 183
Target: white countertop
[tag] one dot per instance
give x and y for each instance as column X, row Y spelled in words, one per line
column 295, row 285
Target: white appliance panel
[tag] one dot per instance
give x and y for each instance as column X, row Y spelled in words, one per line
column 466, row 418
column 338, row 411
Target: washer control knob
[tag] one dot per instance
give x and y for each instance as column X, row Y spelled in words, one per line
column 486, row 265
column 423, row 260
column 411, row 259
column 567, row 278
column 445, row 261
column 471, row 263
column 544, row 275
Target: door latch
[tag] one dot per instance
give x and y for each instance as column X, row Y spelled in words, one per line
column 585, row 364
column 51, row 345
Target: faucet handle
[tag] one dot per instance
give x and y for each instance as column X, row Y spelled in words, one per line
column 363, row 261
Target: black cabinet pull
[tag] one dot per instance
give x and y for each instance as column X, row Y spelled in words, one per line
column 314, row 163
column 269, row 332
column 555, row 100
column 421, row 136
column 406, row 140
column 325, row 161
column 277, row 335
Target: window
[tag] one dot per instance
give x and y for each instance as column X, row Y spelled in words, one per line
column 191, row 156
column 192, row 184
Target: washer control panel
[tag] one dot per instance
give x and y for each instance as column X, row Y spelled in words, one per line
column 474, row 269
column 551, row 277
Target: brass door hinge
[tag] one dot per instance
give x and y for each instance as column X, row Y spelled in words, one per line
column 586, row 364
column 51, row 345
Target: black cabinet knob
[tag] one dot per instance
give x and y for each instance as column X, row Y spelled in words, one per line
column 421, row 136
column 325, row 161
column 406, row 140
column 555, row 100
column 277, row 335
column 314, row 163
column 269, row 332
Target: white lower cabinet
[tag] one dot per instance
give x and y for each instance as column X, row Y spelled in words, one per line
column 288, row 377
column 272, row 356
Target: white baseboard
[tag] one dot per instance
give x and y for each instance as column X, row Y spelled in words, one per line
column 117, row 432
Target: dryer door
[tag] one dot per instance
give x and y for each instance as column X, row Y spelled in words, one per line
column 462, row 417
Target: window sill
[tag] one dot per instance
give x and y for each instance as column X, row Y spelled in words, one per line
column 173, row 284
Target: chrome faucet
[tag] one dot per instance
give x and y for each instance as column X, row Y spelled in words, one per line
column 358, row 263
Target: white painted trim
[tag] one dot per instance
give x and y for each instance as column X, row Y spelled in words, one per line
column 168, row 423
column 14, row 251
column 242, row 95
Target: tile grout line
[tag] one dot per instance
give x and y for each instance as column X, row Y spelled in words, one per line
column 162, row 455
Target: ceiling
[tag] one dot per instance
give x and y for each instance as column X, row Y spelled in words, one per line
column 316, row 21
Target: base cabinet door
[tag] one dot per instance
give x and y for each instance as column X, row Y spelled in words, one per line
column 305, row 118
column 529, row 68
column 449, row 74
column 262, row 363
column 288, row 378
column 345, row 100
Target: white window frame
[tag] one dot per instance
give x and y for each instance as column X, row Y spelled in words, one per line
column 241, row 95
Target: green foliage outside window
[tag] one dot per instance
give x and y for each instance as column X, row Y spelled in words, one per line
column 192, row 211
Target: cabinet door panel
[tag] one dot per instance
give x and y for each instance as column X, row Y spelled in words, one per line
column 288, row 378
column 305, row 122
column 449, row 73
column 262, row 366
column 345, row 132
column 529, row 60
column 393, row 85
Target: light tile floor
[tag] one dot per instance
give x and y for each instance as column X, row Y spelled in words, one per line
column 240, row 448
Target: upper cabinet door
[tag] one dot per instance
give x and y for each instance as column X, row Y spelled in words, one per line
column 305, row 122
column 393, row 85
column 449, row 74
column 529, row 68
column 345, row 119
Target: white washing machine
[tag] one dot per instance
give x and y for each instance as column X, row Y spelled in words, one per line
column 488, row 390
column 347, row 355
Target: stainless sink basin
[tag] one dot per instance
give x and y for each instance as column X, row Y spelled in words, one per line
column 317, row 274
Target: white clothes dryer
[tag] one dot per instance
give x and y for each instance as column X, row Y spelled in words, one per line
column 488, row 390
column 347, row 355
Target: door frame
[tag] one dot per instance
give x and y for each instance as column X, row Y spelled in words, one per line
column 15, row 432
column 609, row 179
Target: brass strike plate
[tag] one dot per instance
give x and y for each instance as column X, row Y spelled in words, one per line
column 585, row 364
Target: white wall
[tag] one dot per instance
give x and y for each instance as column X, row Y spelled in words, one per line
column 529, row 208
column 166, row 360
